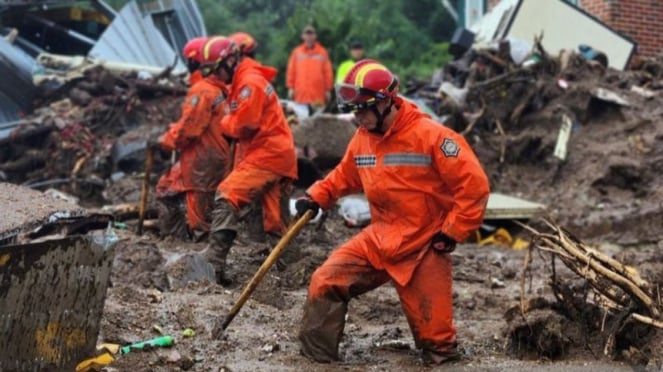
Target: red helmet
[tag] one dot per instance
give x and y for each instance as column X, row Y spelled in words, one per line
column 217, row 49
column 367, row 81
column 246, row 43
column 192, row 48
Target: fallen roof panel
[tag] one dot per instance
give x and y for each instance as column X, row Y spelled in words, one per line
column 179, row 21
column 134, row 38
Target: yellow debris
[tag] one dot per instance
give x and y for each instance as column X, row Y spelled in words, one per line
column 503, row 238
column 95, row 363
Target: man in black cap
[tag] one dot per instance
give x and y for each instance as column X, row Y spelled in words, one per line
column 356, row 53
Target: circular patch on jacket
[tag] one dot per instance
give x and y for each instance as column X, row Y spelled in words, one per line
column 245, row 93
column 450, row 148
column 194, row 101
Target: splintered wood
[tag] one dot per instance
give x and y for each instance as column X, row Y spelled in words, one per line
column 619, row 287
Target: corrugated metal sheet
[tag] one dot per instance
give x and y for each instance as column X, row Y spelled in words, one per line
column 179, row 21
column 16, row 88
column 33, row 2
column 134, row 38
column 192, row 20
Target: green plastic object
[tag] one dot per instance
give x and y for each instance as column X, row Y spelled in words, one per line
column 188, row 332
column 120, row 225
column 164, row 341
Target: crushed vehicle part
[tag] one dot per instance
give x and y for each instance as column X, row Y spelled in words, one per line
column 53, row 279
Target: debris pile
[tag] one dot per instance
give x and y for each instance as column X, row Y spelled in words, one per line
column 565, row 131
column 90, row 130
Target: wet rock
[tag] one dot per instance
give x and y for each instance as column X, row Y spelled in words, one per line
column 271, row 348
column 496, row 283
column 509, row 272
column 188, row 268
column 174, row 357
column 155, row 296
column 186, row 363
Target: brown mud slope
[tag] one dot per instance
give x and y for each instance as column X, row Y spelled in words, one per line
column 377, row 337
column 610, row 187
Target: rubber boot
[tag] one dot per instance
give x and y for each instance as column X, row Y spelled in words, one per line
column 216, row 253
column 172, row 217
column 322, row 328
column 434, row 357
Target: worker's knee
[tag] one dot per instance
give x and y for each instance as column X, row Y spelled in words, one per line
column 224, row 216
column 326, row 283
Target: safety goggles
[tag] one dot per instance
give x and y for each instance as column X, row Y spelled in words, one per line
column 352, row 98
column 207, row 69
column 356, row 107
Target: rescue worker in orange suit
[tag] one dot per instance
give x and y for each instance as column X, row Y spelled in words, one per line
column 427, row 192
column 309, row 76
column 247, row 45
column 268, row 164
column 204, row 155
column 191, row 51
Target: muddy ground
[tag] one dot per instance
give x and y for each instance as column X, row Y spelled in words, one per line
column 377, row 337
column 607, row 192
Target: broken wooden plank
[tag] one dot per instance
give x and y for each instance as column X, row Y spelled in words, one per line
column 505, row 207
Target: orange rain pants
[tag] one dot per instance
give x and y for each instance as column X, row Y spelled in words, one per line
column 247, row 183
column 267, row 161
column 426, row 299
column 204, row 153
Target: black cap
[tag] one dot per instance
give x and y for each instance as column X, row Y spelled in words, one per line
column 356, row 44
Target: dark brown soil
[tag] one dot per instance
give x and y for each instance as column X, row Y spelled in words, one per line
column 608, row 193
column 263, row 336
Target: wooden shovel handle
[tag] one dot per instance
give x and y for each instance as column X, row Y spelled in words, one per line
column 149, row 160
column 273, row 256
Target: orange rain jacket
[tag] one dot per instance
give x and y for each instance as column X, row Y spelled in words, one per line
column 270, row 74
column 203, row 150
column 419, row 178
column 257, row 121
column 310, row 74
column 195, row 77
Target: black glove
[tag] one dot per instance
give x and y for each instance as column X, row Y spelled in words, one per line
column 153, row 143
column 442, row 243
column 306, row 204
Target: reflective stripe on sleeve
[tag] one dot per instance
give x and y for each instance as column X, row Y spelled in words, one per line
column 396, row 159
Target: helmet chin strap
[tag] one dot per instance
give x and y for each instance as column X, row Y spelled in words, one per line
column 230, row 70
column 381, row 116
column 192, row 65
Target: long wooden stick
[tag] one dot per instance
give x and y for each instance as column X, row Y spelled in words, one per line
column 257, row 277
column 149, row 160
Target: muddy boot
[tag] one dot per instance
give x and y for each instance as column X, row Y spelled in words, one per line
column 322, row 328
column 217, row 253
column 172, row 217
column 435, row 357
column 198, row 236
column 222, row 234
column 289, row 254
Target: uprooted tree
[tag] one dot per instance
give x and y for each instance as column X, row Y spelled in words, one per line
column 605, row 303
